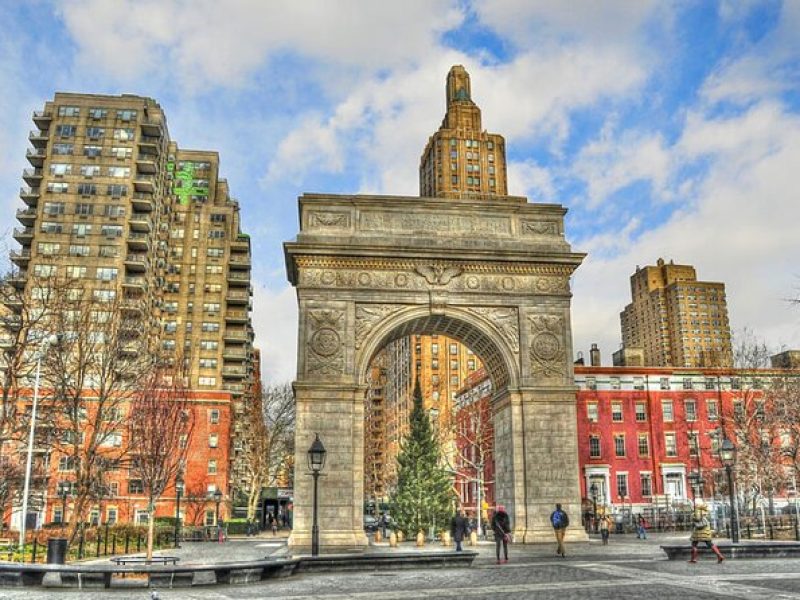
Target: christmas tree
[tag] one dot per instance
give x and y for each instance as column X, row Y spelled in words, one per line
column 424, row 497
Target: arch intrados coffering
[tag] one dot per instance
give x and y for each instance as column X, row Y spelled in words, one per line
column 493, row 351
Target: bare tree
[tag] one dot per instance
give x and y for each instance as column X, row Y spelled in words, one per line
column 93, row 374
column 268, row 441
column 196, row 500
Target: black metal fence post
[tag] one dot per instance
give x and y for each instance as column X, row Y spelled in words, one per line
column 114, row 544
column 81, row 542
column 35, row 543
column 127, row 542
column 105, row 543
column 138, row 542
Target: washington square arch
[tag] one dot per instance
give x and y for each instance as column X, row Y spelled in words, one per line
column 468, row 262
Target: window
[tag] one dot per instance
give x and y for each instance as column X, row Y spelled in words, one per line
column 75, row 272
column 638, row 383
column 208, row 363
column 216, row 234
column 212, row 466
column 58, row 516
column 622, row 484
column 213, row 416
column 121, row 152
column 214, row 269
column 135, row 486
column 90, row 170
column 616, row 412
column 124, row 134
column 52, row 209
column 106, row 273
column 114, row 210
column 453, row 349
column 209, row 326
column 591, row 383
column 619, row 444
column 87, row 189
column 51, row 227
column 104, row 296
column 58, row 187
column 95, row 133
column 615, row 384
column 208, row 344
column 670, row 444
column 60, row 169
column 92, row 151
column 594, row 446
column 111, row 230
column 213, row 440
column 210, row 515
column 126, row 115
column 111, row 513
column 44, row 270
column 217, row 218
column 591, row 412
column 113, row 439
column 62, row 149
column 211, row 307
column 666, row 410
column 738, row 409
column 694, row 443
column 691, row 410
column 646, row 481
column 66, row 131
column 215, row 252
column 644, row 445
column 78, row 250
column 171, row 326
column 183, row 441
column 68, row 111
column 83, row 208
column 66, row 463
column 116, row 190
column 711, row 410
column 119, row 171
column 664, row 383
column 641, row 411
column 97, row 113
column 709, row 384
column 207, row 381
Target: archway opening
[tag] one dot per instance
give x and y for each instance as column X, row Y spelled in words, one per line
column 460, row 368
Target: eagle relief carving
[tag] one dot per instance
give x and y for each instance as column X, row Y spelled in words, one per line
column 439, row 274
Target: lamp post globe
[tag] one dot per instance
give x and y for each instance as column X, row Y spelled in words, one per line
column 316, row 462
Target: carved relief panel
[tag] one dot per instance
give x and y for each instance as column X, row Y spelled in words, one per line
column 547, row 346
column 325, row 348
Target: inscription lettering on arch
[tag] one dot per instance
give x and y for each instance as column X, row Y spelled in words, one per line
column 402, row 223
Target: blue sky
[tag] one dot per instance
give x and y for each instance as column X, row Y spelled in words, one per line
column 668, row 129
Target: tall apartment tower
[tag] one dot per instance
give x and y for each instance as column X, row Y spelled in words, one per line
column 675, row 319
column 116, row 206
column 461, row 160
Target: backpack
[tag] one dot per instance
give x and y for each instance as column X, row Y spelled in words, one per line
column 558, row 519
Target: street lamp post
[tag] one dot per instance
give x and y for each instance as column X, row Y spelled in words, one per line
column 316, row 461
column 63, row 492
column 178, row 492
column 217, row 499
column 46, row 343
column 593, row 492
column 727, row 454
column 696, row 481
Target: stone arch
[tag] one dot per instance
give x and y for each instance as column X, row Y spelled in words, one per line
column 472, row 330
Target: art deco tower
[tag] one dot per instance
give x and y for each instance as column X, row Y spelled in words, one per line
column 461, row 160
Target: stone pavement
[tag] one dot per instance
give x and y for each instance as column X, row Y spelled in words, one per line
column 626, row 568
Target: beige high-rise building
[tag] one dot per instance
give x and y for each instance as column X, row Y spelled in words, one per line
column 461, row 160
column 117, row 208
column 675, row 319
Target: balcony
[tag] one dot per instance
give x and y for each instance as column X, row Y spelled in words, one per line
column 42, row 119
column 141, row 223
column 139, row 283
column 240, row 246
column 239, row 261
column 24, row 235
column 145, row 163
column 26, row 216
column 236, row 316
column 39, row 138
column 236, row 388
column 138, row 241
column 20, row 257
column 132, row 305
column 144, row 183
column 238, row 278
column 234, row 372
column 234, row 353
column 36, row 156
column 136, row 262
column 142, row 201
column 149, row 144
column 236, row 336
column 151, row 128
column 18, row 279
column 237, row 297
column 29, row 195
column 32, row 176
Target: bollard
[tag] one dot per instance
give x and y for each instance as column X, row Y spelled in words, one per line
column 446, row 538
column 378, row 536
column 473, row 538
column 420, row 539
column 392, row 540
column 401, row 537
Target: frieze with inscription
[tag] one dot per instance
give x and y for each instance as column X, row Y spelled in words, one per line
column 435, row 224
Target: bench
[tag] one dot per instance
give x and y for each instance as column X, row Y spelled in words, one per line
column 6, row 548
column 142, row 560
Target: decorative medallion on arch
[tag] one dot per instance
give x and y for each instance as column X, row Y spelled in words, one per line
column 491, row 273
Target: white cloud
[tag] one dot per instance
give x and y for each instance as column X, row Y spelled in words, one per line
column 532, row 180
column 203, row 43
column 275, row 324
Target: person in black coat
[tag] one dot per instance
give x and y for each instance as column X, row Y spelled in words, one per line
column 501, row 525
column 459, row 528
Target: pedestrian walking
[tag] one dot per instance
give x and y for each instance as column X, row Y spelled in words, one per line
column 701, row 532
column 384, row 524
column 641, row 528
column 605, row 525
column 459, row 528
column 560, row 521
column 501, row 526
column 273, row 522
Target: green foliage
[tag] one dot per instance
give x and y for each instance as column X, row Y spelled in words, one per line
column 424, row 496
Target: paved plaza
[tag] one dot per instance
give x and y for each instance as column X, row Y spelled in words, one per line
column 628, row 568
